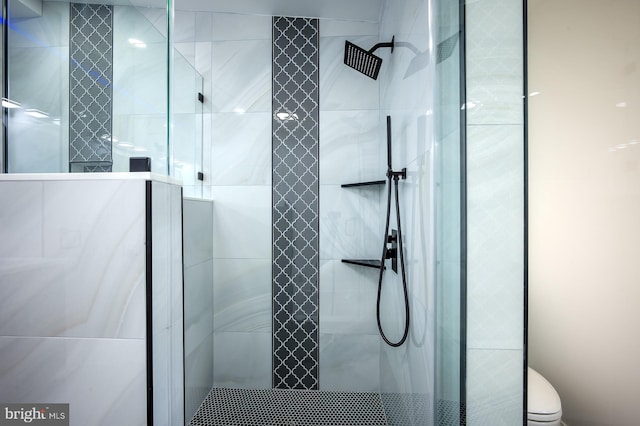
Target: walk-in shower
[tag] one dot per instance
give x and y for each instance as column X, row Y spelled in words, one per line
column 290, row 162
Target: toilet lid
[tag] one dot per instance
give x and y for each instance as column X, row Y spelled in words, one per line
column 543, row 402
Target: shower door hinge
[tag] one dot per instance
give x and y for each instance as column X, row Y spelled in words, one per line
column 201, row 97
column 200, row 176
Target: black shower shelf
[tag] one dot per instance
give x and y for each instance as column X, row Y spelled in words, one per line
column 371, row 183
column 369, row 263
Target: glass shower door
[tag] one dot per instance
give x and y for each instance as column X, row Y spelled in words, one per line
column 186, row 126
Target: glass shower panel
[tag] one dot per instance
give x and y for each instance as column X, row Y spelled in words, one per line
column 139, row 93
column 38, row 89
column 450, row 304
column 66, row 102
column 186, row 126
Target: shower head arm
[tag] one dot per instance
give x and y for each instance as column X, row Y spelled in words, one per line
column 379, row 45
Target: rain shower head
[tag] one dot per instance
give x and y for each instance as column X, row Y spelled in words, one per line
column 364, row 61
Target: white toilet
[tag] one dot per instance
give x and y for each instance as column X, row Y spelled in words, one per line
column 543, row 402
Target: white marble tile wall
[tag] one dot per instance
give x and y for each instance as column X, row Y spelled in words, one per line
column 347, row 299
column 38, row 60
column 350, row 219
column 53, row 244
column 342, row 88
column 495, row 175
column 198, row 297
column 167, row 303
column 233, row 54
column 73, row 296
column 349, row 362
column 242, row 295
column 406, row 94
column 242, row 222
column 242, row 359
column 102, row 380
column 242, row 149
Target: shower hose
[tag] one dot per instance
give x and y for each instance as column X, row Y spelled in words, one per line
column 386, row 253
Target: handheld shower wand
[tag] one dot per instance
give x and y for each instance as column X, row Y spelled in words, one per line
column 395, row 240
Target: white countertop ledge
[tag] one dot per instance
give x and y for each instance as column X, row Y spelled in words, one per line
column 88, row 177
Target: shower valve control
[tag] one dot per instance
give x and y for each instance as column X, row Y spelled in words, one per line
column 392, row 252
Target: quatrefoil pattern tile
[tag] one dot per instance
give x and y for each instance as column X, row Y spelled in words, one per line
column 295, row 203
column 90, row 89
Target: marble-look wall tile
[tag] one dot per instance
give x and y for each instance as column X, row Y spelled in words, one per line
column 198, row 231
column 103, row 380
column 203, row 64
column 241, row 152
column 184, row 26
column 241, row 222
column 349, row 147
column 494, row 385
column 242, row 360
column 242, row 295
column 341, row 87
column 161, row 265
column 227, row 26
column 198, row 311
column 198, row 375
column 167, row 303
column 161, row 375
column 22, row 217
column 347, row 298
column 241, row 76
column 334, row 28
column 101, row 242
column 350, row 222
column 349, row 363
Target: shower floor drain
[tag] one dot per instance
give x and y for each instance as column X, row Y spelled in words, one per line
column 280, row 407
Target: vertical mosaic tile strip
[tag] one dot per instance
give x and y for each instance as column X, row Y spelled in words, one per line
column 90, row 89
column 295, row 203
